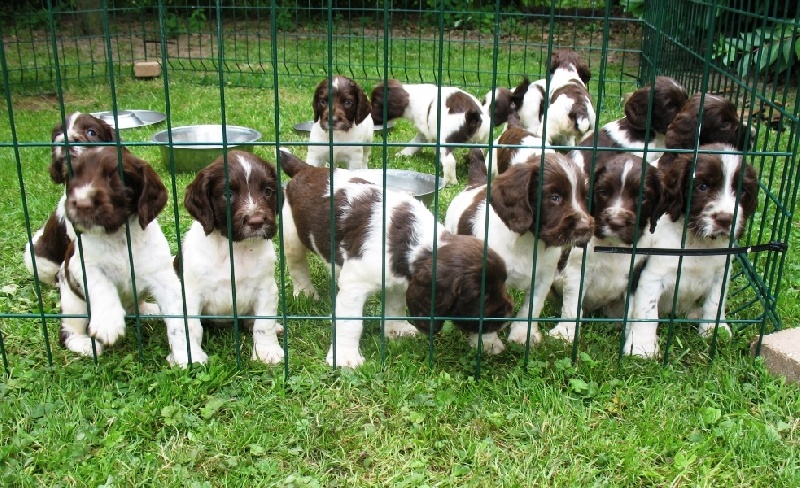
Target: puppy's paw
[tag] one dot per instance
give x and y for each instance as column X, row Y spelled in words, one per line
column 345, row 358
column 147, row 308
column 519, row 333
column 82, row 344
column 268, row 353
column 706, row 330
column 564, row 331
column 645, row 347
column 107, row 329
column 399, row 328
column 181, row 358
column 491, row 343
column 311, row 293
column 409, row 151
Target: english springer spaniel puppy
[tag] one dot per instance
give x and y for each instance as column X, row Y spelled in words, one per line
column 525, row 212
column 101, row 204
column 252, row 193
column 505, row 102
column 723, row 196
column 570, row 113
column 616, row 202
column 630, row 132
column 514, row 135
column 720, row 124
column 462, row 117
column 352, row 124
column 408, row 233
column 51, row 241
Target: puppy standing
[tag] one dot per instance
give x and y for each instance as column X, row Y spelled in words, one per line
column 352, row 124
column 408, row 233
column 462, row 117
column 715, row 200
column 207, row 258
column 630, row 132
column 100, row 204
column 522, row 218
column 615, row 203
column 51, row 241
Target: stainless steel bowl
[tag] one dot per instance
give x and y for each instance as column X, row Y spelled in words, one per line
column 195, row 146
column 419, row 185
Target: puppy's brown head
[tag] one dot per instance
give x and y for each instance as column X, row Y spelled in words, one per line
column 617, row 197
column 569, row 60
column 100, row 196
column 715, row 193
column 80, row 128
column 506, row 102
column 252, row 191
column 669, row 97
column 350, row 104
column 459, row 273
column 720, row 124
column 396, row 101
column 549, row 201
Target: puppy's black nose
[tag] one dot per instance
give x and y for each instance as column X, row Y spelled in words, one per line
column 255, row 221
column 723, row 220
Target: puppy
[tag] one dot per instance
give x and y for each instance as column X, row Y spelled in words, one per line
column 253, row 201
column 51, row 241
column 720, row 124
column 462, row 117
column 505, row 102
column 616, row 202
column 630, row 133
column 352, row 124
column 570, row 113
column 100, row 205
column 526, row 215
column 527, row 100
column 723, row 196
column 515, row 135
column 408, row 255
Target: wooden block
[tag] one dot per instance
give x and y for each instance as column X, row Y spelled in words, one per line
column 146, row 69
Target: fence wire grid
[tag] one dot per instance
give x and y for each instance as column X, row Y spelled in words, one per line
column 257, row 66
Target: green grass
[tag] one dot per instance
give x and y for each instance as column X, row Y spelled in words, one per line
column 415, row 415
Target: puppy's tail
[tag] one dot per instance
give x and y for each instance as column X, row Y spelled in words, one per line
column 291, row 164
column 477, row 168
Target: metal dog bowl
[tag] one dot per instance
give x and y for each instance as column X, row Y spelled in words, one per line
column 129, row 119
column 195, row 146
column 419, row 185
column 305, row 127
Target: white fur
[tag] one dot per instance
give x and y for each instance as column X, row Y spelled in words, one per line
column 108, row 279
column 530, row 146
column 422, row 112
column 350, row 147
column 208, row 289
column 529, row 114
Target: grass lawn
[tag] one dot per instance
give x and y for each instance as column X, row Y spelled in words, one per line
column 415, row 415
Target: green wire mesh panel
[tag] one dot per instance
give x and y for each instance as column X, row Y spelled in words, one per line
column 257, row 65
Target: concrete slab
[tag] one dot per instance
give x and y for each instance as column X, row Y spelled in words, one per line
column 781, row 352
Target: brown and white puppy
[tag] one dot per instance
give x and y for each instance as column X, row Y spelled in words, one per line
column 463, row 119
column 51, row 241
column 630, row 133
column 530, row 210
column 352, row 124
column 395, row 254
column 723, row 193
column 720, row 124
column 515, row 145
column 113, row 213
column 627, row 200
column 252, row 194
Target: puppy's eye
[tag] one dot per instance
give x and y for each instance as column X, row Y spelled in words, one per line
column 348, row 103
column 91, row 132
column 602, row 192
column 323, row 102
column 268, row 192
column 702, row 187
column 555, row 198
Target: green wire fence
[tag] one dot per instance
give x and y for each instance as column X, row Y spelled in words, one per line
column 58, row 57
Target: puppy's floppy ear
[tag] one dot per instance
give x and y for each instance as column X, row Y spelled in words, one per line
column 58, row 170
column 636, row 108
column 676, row 178
column 584, row 73
column 320, row 97
column 364, row 109
column 658, row 203
column 680, row 135
column 749, row 195
column 197, row 199
column 477, row 167
column 513, row 193
column 149, row 192
column 418, row 296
